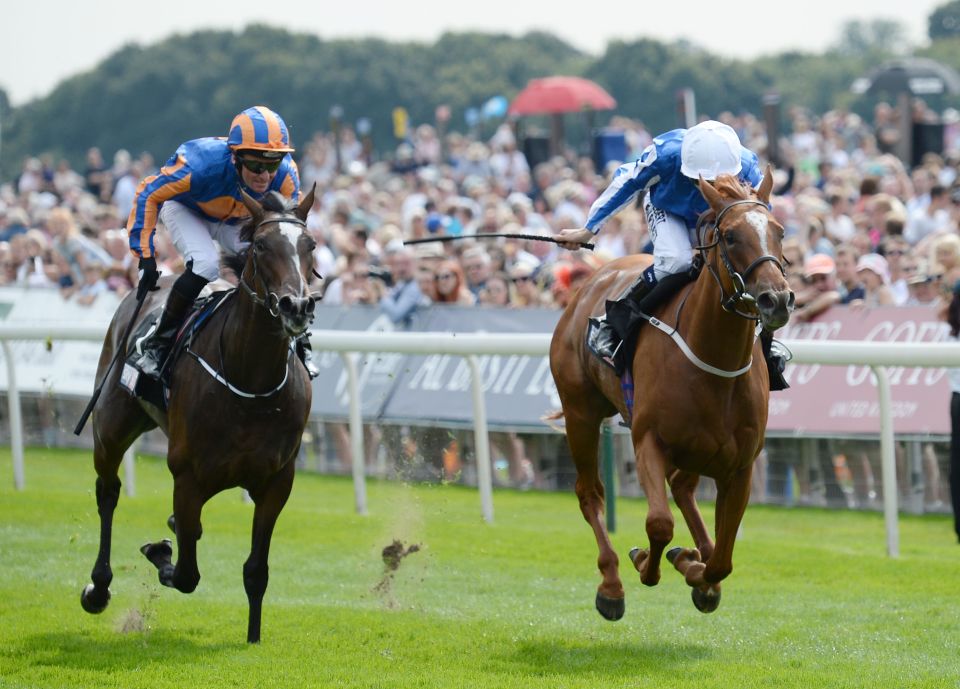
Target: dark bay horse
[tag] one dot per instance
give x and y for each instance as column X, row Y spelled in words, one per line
column 687, row 420
column 236, row 412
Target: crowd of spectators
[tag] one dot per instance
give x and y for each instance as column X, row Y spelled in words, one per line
column 862, row 228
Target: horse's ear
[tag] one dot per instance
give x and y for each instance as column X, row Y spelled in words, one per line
column 712, row 196
column 256, row 210
column 766, row 186
column 306, row 204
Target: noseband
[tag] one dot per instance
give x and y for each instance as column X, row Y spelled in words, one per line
column 739, row 295
column 271, row 302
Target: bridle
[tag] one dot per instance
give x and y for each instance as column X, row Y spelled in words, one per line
column 731, row 302
column 271, row 302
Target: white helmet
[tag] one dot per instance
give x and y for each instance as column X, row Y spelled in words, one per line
column 710, row 149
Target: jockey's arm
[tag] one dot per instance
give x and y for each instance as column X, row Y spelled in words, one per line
column 171, row 181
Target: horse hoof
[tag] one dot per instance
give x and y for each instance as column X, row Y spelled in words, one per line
column 610, row 608
column 705, row 601
column 89, row 603
column 672, row 554
column 158, row 553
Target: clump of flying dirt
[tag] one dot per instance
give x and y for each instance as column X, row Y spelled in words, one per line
column 393, row 555
column 137, row 620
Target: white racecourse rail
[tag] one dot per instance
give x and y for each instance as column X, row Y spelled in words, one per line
column 877, row 355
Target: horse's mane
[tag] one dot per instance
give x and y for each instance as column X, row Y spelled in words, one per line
column 732, row 188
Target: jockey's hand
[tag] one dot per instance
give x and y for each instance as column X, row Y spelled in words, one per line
column 572, row 239
column 148, row 277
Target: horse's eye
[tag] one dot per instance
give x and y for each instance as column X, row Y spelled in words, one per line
column 260, row 245
column 729, row 239
column 311, row 244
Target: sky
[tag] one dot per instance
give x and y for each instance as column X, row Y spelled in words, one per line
column 45, row 42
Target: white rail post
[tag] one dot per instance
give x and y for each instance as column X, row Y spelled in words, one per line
column 481, row 440
column 888, row 462
column 129, row 478
column 16, row 418
column 358, row 463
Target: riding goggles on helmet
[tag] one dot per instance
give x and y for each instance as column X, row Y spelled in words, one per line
column 257, row 166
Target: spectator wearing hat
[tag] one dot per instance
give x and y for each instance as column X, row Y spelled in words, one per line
column 821, row 293
column 924, row 287
column 873, row 271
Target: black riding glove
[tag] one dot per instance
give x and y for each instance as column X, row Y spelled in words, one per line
column 148, row 277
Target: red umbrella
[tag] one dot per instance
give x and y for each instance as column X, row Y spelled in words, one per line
column 554, row 95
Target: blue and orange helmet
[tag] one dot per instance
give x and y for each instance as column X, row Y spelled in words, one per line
column 259, row 129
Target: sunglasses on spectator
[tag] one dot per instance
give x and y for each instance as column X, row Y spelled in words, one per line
column 895, row 252
column 257, row 166
column 522, row 278
column 444, row 276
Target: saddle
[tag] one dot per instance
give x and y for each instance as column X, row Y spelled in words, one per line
column 612, row 337
column 143, row 387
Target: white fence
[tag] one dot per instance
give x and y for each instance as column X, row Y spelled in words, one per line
column 877, row 355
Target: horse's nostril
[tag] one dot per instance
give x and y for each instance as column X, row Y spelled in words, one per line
column 766, row 302
column 311, row 305
column 791, row 301
column 286, row 304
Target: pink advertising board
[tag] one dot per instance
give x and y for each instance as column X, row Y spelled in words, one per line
column 843, row 399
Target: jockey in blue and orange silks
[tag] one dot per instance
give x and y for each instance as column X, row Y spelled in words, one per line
column 196, row 196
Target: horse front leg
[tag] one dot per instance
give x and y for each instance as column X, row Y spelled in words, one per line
column 683, row 486
column 269, row 501
column 96, row 596
column 733, row 494
column 651, row 468
column 583, row 437
column 187, row 505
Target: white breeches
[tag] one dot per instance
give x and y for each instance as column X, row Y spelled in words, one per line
column 672, row 240
column 195, row 237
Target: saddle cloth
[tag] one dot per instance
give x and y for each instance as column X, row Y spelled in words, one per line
column 157, row 393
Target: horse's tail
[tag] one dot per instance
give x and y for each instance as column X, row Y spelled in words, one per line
column 551, row 417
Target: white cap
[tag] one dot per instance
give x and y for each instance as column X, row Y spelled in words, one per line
column 710, row 149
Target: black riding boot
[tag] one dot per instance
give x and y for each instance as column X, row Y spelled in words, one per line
column 776, row 358
column 156, row 348
column 305, row 352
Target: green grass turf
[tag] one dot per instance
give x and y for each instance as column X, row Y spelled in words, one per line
column 813, row 600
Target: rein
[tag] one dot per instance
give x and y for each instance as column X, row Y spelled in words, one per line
column 271, row 302
column 739, row 295
column 217, row 373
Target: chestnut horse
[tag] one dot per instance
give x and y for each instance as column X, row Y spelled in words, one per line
column 688, row 419
column 239, row 401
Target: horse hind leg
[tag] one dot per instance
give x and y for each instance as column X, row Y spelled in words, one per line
column 269, row 502
column 583, row 437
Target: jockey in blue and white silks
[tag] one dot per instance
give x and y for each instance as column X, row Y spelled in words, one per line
column 668, row 170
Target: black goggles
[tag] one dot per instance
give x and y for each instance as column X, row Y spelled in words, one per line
column 257, row 166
